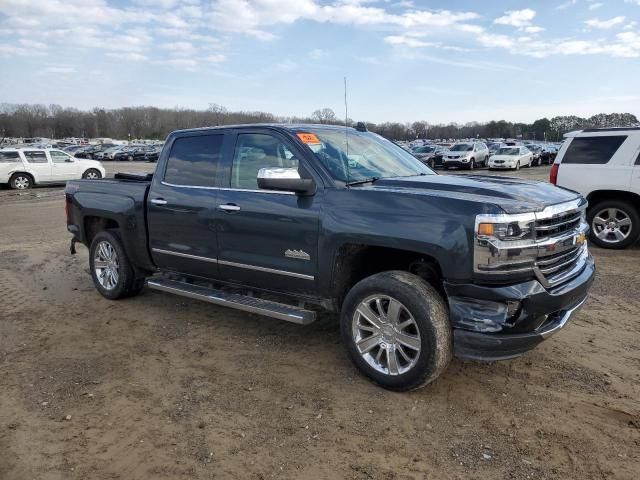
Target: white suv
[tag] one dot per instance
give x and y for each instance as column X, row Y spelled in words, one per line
column 604, row 166
column 23, row 168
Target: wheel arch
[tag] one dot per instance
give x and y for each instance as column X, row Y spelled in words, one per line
column 598, row 196
column 24, row 172
column 354, row 262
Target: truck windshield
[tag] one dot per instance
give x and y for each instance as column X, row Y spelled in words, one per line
column 354, row 156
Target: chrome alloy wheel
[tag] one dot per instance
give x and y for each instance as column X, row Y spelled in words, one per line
column 612, row 225
column 92, row 176
column 386, row 335
column 105, row 265
column 22, row 182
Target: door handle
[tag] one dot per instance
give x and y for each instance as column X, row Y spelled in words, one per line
column 229, row 207
column 158, row 201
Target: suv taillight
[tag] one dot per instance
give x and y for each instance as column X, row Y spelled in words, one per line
column 553, row 175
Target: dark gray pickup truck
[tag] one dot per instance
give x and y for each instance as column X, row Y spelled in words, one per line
column 281, row 220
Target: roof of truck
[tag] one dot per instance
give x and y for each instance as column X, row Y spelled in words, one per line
column 286, row 126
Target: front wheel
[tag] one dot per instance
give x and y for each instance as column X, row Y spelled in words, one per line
column 518, row 165
column 92, row 174
column 472, row 164
column 112, row 272
column 397, row 330
column 614, row 224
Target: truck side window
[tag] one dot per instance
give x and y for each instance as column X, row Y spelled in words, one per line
column 255, row 151
column 193, row 161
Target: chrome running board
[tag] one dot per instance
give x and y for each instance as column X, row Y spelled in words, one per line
column 245, row 303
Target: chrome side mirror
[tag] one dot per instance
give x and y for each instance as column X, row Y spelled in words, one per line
column 285, row 179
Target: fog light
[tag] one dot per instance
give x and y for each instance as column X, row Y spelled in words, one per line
column 513, row 308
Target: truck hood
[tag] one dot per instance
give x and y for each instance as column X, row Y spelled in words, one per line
column 513, row 195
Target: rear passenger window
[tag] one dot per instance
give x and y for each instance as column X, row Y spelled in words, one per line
column 593, row 150
column 193, row 161
column 36, row 157
column 9, row 157
column 638, row 159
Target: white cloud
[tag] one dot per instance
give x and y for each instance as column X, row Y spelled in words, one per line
column 569, row 3
column 406, row 41
column 516, row 18
column 596, row 5
column 317, row 53
column 605, row 24
column 533, row 29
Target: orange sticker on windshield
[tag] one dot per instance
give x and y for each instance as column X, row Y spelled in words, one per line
column 308, row 138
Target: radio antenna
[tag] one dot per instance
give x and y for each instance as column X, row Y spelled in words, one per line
column 346, row 131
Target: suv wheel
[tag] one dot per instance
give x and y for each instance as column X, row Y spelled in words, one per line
column 397, row 330
column 112, row 273
column 92, row 174
column 21, row 181
column 614, row 224
column 518, row 165
column 472, row 164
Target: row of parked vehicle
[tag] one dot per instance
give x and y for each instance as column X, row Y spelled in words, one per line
column 109, row 151
column 496, row 155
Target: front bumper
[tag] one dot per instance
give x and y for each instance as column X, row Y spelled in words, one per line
column 502, row 165
column 455, row 163
column 484, row 330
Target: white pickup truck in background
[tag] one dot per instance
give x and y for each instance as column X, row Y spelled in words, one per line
column 604, row 166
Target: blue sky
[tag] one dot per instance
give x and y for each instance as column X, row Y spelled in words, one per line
column 405, row 60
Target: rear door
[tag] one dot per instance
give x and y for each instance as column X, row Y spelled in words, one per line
column 38, row 164
column 10, row 161
column 63, row 166
column 265, row 237
column 181, row 208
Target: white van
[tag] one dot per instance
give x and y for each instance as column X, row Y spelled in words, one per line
column 604, row 165
column 22, row 168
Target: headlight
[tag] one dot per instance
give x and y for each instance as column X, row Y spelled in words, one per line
column 506, row 231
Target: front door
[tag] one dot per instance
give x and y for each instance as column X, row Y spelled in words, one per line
column 182, row 206
column 266, row 238
column 39, row 165
column 63, row 166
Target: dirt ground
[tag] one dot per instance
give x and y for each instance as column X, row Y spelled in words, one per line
column 161, row 387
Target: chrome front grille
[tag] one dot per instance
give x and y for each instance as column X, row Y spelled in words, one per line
column 555, row 253
column 557, row 268
column 557, row 225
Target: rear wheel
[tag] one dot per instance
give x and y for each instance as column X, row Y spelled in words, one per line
column 112, row 272
column 397, row 330
column 614, row 224
column 21, row 181
column 92, row 174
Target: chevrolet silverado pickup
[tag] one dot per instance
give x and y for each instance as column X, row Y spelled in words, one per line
column 286, row 220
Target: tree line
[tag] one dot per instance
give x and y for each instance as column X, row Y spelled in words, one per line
column 54, row 121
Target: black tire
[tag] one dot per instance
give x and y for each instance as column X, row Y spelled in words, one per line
column 429, row 312
column 127, row 284
column 628, row 209
column 92, row 174
column 21, row 181
column 130, row 158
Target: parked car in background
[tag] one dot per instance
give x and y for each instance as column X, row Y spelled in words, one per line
column 536, row 151
column 152, row 155
column 604, row 166
column 92, row 150
column 548, row 154
column 430, row 155
column 72, row 149
column 104, row 154
column 467, row 155
column 494, row 147
column 511, row 157
column 125, row 153
column 24, row 168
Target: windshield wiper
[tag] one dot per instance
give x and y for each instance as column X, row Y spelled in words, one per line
column 360, row 182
